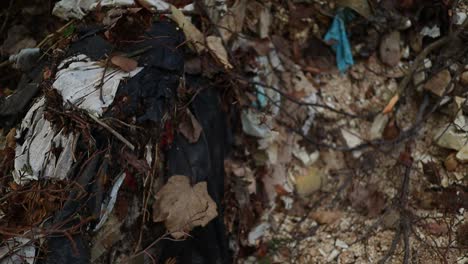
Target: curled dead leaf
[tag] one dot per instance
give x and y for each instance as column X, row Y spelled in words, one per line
column 182, row 207
column 191, row 32
column 190, row 127
column 391, row 130
column 124, row 63
column 10, row 138
column 216, row 46
column 360, row 6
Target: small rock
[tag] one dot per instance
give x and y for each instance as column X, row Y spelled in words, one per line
column 439, row 83
column 333, row 255
column 460, row 18
column 390, row 50
column 462, row 155
column 433, row 32
column 310, row 181
column 450, row 138
column 257, row 233
column 427, row 63
column 341, row 244
column 436, row 229
column 454, row 67
column 326, row 217
column 415, row 41
column 347, row 257
column 406, row 52
column 391, row 219
column 451, row 163
column 352, row 140
column 464, row 78
column 18, row 39
column 378, row 126
column 459, row 176
column 419, row 78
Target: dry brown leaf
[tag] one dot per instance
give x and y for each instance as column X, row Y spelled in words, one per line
column 216, row 46
column 391, row 130
column 360, row 6
column 191, row 32
column 46, row 74
column 10, row 138
column 124, row 63
column 182, row 207
column 190, row 128
column 233, row 21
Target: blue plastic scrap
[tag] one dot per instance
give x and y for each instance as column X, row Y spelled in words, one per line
column 337, row 35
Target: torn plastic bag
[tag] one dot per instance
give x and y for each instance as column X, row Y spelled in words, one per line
column 17, row 250
column 338, row 39
column 13, row 106
column 202, row 161
column 34, row 157
column 73, row 249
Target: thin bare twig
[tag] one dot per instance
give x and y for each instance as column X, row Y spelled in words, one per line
column 112, row 131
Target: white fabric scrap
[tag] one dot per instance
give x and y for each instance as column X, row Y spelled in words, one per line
column 253, row 124
column 34, row 157
column 311, row 99
column 69, row 9
column 433, row 32
column 17, row 250
column 78, row 83
column 257, row 233
column 110, row 205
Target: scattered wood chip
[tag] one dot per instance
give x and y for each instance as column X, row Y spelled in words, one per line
column 391, row 104
column 182, row 207
column 124, row 63
column 190, row 127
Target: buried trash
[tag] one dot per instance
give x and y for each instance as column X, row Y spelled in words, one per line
column 77, row 133
column 213, row 131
